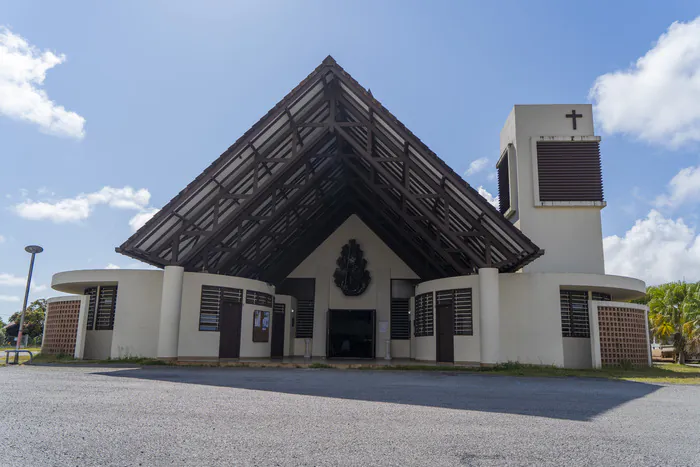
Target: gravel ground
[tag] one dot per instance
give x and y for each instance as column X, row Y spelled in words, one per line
column 233, row 416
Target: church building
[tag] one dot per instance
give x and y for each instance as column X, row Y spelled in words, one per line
column 330, row 231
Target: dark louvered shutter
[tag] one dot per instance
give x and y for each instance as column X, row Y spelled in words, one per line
column 569, row 171
column 305, row 319
column 92, row 304
column 503, row 185
column 209, row 308
column 601, row 296
column 106, row 306
column 423, row 319
column 463, row 312
column 253, row 297
column 400, row 324
column 574, row 313
column 210, row 305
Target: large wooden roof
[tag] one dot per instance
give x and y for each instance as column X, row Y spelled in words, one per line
column 326, row 151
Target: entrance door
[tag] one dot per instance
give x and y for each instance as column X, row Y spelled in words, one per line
column 445, row 333
column 230, row 330
column 277, row 344
column 350, row 334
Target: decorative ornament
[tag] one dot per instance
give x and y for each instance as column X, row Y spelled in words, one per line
column 351, row 275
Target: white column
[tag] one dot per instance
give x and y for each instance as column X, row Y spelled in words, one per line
column 489, row 316
column 170, row 304
column 82, row 328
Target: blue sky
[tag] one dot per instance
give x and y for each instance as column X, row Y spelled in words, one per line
column 145, row 94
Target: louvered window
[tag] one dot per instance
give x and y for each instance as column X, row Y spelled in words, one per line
column 600, row 296
column 92, row 303
column 423, row 320
column 503, row 185
column 210, row 305
column 569, row 171
column 464, row 325
column 279, row 308
column 253, row 297
column 102, row 305
column 305, row 319
column 461, row 301
column 400, row 320
column 574, row 313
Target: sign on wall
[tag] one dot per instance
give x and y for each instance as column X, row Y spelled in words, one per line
column 351, row 275
column 261, row 326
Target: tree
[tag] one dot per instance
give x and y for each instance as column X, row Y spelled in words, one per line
column 674, row 313
column 33, row 318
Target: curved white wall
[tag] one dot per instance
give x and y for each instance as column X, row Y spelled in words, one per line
column 196, row 344
column 467, row 348
column 530, row 316
column 136, row 317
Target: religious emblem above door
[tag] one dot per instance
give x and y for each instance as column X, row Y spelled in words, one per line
column 351, row 275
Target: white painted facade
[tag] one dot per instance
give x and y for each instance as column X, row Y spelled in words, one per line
column 515, row 316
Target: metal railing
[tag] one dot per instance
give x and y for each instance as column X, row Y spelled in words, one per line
column 16, row 359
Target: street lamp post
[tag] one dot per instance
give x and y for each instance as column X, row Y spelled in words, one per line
column 33, row 249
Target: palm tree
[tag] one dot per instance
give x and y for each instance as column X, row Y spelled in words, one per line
column 674, row 312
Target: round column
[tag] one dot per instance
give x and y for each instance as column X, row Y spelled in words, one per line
column 170, row 305
column 489, row 316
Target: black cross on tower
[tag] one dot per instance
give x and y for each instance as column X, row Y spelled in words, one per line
column 573, row 116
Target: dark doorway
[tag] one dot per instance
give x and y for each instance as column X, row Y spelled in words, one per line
column 230, row 330
column 445, row 333
column 350, row 334
column 277, row 344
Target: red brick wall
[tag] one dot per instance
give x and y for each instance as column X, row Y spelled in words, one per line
column 61, row 327
column 623, row 335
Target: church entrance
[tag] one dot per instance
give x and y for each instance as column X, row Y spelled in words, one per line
column 350, row 334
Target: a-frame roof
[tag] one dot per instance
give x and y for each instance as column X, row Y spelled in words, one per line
column 326, row 151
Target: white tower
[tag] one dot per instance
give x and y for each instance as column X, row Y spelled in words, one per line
column 550, row 185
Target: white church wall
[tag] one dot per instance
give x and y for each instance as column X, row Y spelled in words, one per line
column 383, row 265
column 98, row 345
column 290, row 305
column 577, row 352
column 530, row 321
column 467, row 349
column 137, row 316
column 196, row 344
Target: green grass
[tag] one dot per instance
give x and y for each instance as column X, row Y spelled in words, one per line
column 666, row 373
column 69, row 359
column 23, row 357
column 659, row 373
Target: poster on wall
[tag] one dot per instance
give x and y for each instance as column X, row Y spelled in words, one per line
column 261, row 326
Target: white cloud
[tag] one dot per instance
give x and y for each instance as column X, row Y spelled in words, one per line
column 2, row 239
column 8, row 298
column 112, row 266
column 489, row 197
column 39, row 287
column 684, row 187
column 141, row 218
column 656, row 99
column 477, row 166
column 23, row 69
column 12, row 280
column 492, row 176
column 656, row 249
column 80, row 207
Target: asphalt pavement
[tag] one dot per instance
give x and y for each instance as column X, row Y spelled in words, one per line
column 77, row 415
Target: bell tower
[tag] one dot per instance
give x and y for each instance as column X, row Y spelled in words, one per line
column 550, row 185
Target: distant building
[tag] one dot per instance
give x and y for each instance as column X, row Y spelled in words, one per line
column 329, row 229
